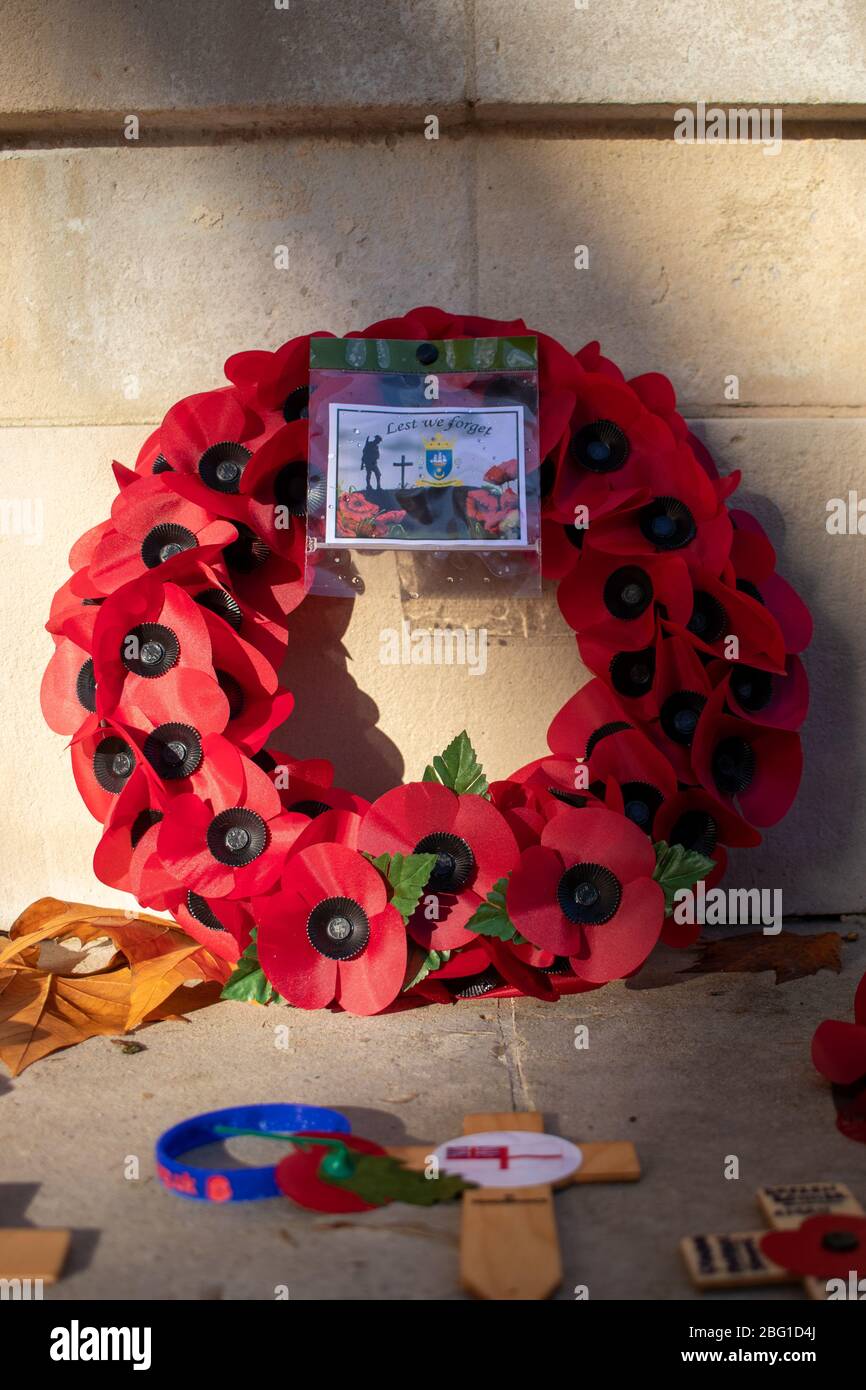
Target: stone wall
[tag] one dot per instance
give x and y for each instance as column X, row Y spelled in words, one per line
column 133, row 267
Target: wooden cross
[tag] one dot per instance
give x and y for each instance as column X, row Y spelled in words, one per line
column 403, row 464
column 737, row 1262
column 28, row 1254
column 509, row 1247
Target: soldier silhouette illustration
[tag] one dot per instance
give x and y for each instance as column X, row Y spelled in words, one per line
column 370, row 461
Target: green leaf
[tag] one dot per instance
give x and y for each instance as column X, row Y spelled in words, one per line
column 248, row 981
column 378, row 1178
column 431, row 961
column 407, row 876
column 458, row 768
column 491, row 917
column 678, row 867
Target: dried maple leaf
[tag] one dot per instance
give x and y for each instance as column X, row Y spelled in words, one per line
column 791, row 955
column 144, row 979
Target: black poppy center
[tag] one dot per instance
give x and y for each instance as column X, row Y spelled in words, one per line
column 569, row 798
column 221, row 602
column 113, row 764
column 149, row 650
column 478, row 985
column 290, row 487
column 589, row 894
column 237, row 836
column 295, row 405
column 165, row 541
column 628, row 592
column 338, row 928
column 221, row 466
column 632, row 673
column 751, row 688
column 667, row 523
column 233, row 691
column 641, row 801
column 248, row 552
column 85, row 686
column 201, row 910
column 142, row 823
column 679, row 715
column 173, row 750
column 840, row 1242
column 601, row 447
column 310, row 808
column 696, row 830
column 161, row 465
column 455, row 861
column 709, row 619
column 614, row 726
column 746, row 586
column 733, row 765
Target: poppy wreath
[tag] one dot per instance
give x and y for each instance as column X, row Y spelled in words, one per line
column 170, row 633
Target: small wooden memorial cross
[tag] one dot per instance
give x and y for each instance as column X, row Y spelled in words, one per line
column 29, row 1255
column 509, row 1248
column 737, row 1261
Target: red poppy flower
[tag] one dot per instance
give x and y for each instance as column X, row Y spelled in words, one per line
column 615, row 599
column 104, row 758
column 152, row 526
column 257, row 705
column 721, row 611
column 823, row 1247
column 589, row 716
column 223, row 926
column 126, row 857
column 229, row 837
column 275, row 381
column 839, row 1049
column 299, row 1175
column 330, row 935
column 682, row 690
column 587, row 892
column 305, row 787
column 764, row 697
column 471, row 840
column 698, row 821
column 758, row 767
column 520, row 804
column 212, row 435
column 615, row 444
column 68, row 690
column 518, row 971
column 565, row 527
column 684, row 515
column 631, row 674
column 209, row 586
column 152, row 657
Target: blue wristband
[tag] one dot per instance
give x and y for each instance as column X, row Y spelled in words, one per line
column 234, row 1184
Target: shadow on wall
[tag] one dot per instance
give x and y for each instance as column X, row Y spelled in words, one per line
column 333, row 718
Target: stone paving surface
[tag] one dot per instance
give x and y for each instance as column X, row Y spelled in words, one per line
column 691, row 1067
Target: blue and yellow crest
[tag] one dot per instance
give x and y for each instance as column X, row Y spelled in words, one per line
column 438, row 457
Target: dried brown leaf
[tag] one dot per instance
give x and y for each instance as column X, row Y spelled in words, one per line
column 791, row 955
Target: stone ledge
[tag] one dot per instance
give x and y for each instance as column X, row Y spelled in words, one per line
column 61, row 61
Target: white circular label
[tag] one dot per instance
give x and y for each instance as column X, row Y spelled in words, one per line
column 509, row 1158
